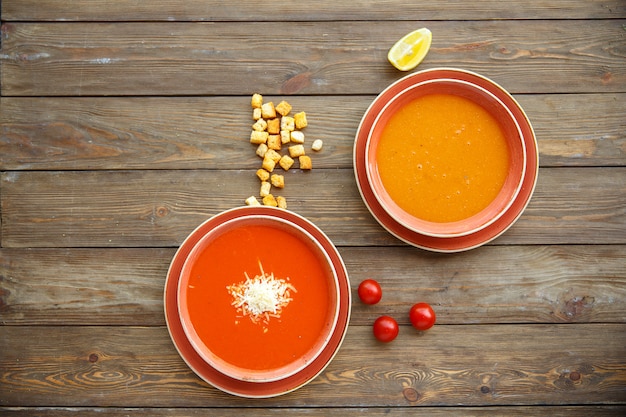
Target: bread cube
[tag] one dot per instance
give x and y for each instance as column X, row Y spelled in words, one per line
column 300, row 120
column 256, row 101
column 257, row 137
column 273, row 126
column 266, row 187
column 262, row 174
column 297, row 137
column 305, row 162
column 268, row 111
column 268, row 163
column 260, row 125
column 287, row 123
column 269, row 200
column 296, row 151
column 283, row 108
column 261, row 150
column 282, row 203
column 252, row 201
column 274, row 142
column 317, row 145
column 278, row 181
column 286, row 162
column 275, row 156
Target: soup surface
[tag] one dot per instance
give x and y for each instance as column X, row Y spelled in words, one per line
column 268, row 343
column 442, row 158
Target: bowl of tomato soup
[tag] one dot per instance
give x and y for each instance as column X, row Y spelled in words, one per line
column 445, row 157
column 258, row 298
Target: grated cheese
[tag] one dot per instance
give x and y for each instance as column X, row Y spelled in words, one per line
column 261, row 297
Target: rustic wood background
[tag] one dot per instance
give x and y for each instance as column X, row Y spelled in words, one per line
column 125, row 124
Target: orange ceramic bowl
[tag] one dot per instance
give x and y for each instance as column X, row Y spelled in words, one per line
column 512, row 174
column 231, row 270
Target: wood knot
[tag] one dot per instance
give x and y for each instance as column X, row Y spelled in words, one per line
column 162, row 211
column 574, row 376
column 411, row 394
column 93, row 358
column 485, row 389
column 577, row 306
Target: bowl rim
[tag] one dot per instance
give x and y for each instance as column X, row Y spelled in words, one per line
column 445, row 229
column 244, row 374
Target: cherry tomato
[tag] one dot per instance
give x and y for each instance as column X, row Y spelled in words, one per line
column 385, row 329
column 422, row 316
column 370, row 291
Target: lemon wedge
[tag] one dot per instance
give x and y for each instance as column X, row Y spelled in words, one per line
column 409, row 51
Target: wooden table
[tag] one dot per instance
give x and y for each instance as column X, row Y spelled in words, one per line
column 125, row 124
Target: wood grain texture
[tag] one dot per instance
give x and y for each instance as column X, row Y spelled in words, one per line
column 103, row 59
column 291, row 10
column 160, row 208
column 555, row 411
column 527, row 284
column 493, row 365
column 212, row 132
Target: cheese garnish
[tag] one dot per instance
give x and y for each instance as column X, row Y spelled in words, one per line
column 261, row 297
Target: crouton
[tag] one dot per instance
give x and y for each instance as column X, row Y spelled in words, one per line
column 261, row 150
column 268, row 163
column 296, row 151
column 317, row 145
column 262, row 174
column 265, row 188
column 273, row 126
column 260, row 125
column 287, row 123
column 305, row 162
column 275, row 156
column 278, row 181
column 282, row 203
column 286, row 162
column 285, row 137
column 268, row 111
column 270, row 200
column 297, row 137
column 252, row 201
column 257, row 137
column 256, row 101
column 274, row 142
column 283, row 108
column 300, row 120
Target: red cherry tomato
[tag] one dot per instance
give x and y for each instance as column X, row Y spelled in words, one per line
column 422, row 316
column 385, row 329
column 370, row 291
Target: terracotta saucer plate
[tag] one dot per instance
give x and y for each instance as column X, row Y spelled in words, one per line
column 211, row 375
column 446, row 244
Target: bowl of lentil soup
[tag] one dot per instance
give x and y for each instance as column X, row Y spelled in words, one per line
column 445, row 157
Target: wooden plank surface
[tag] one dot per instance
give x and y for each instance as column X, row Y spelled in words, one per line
column 555, row 411
column 211, row 132
column 119, row 366
column 124, row 125
column 290, row 10
column 557, row 284
column 93, row 59
column 159, row 208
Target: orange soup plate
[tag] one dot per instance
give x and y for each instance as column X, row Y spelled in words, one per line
column 258, row 298
column 444, row 157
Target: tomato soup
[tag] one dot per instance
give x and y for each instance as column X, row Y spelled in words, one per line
column 442, row 158
column 282, row 338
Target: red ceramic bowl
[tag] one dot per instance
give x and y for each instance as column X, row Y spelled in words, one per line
column 509, row 126
column 276, row 346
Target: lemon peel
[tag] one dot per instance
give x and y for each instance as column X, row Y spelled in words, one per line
column 410, row 50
